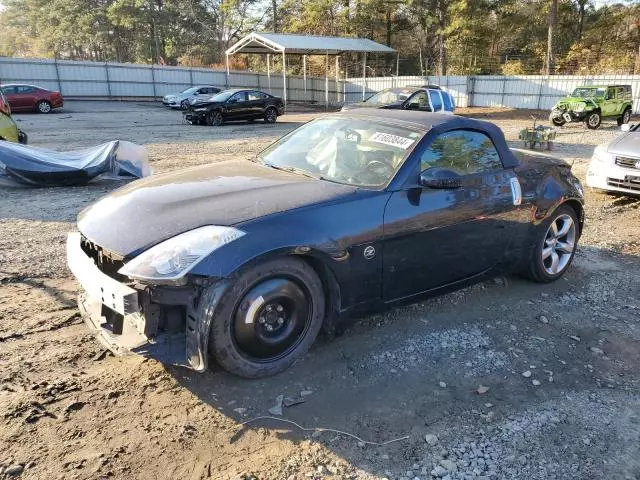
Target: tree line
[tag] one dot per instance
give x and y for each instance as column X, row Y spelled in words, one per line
column 431, row 36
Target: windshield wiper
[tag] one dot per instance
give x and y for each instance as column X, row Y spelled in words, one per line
column 299, row 171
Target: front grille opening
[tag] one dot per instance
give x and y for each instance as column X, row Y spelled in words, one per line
column 630, row 184
column 107, row 262
column 627, row 162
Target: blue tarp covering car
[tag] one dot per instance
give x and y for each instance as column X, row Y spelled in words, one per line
column 22, row 165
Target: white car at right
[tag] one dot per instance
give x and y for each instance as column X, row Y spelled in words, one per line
column 615, row 166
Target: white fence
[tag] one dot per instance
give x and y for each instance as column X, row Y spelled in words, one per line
column 120, row 80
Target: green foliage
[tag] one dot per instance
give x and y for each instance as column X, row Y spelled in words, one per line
column 432, row 36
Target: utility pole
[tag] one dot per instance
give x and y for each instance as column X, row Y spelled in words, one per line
column 274, row 9
column 552, row 22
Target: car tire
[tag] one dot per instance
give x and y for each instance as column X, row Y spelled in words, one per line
column 625, row 118
column 184, row 105
column 554, row 249
column 43, row 106
column 558, row 122
column 593, row 120
column 285, row 303
column 270, row 115
column 214, row 118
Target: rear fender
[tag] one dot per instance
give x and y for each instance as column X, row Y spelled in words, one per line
column 558, row 187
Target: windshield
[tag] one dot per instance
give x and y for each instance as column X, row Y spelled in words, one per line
column 223, row 96
column 586, row 92
column 358, row 152
column 391, row 95
column 189, row 91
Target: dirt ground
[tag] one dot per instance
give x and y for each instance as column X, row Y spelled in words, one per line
column 503, row 380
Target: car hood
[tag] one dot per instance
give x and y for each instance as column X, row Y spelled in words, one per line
column 205, row 103
column 159, row 207
column 627, row 144
column 177, row 96
column 568, row 100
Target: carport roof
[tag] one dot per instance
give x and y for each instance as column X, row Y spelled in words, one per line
column 263, row 43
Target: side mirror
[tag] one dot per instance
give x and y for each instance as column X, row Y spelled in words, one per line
column 413, row 106
column 625, row 127
column 232, row 100
column 440, row 178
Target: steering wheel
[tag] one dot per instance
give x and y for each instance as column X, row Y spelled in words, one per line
column 378, row 167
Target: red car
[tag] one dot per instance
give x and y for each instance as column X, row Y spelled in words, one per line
column 30, row 98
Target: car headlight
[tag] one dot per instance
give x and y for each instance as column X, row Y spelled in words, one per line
column 172, row 259
column 600, row 154
column 199, row 109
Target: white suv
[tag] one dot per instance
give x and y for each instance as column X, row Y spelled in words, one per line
column 427, row 98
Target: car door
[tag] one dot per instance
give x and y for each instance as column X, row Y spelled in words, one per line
column 256, row 103
column 16, row 101
column 27, row 97
column 236, row 107
column 609, row 106
column 418, row 101
column 437, row 236
column 618, row 107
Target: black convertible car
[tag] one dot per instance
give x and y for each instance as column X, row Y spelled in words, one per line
column 235, row 104
column 246, row 261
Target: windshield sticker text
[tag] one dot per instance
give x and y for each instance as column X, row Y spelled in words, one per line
column 393, row 140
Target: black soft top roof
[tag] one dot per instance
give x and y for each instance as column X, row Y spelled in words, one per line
column 438, row 123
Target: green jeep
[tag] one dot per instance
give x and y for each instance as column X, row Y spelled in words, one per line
column 590, row 104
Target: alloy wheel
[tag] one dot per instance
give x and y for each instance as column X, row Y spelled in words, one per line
column 594, row 120
column 559, row 244
column 44, row 107
column 214, row 118
column 271, row 115
column 626, row 116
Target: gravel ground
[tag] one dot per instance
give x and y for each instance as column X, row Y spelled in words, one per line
column 502, row 380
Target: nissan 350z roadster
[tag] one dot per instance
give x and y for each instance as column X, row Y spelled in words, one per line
column 244, row 262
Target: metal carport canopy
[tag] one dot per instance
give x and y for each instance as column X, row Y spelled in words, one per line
column 282, row 43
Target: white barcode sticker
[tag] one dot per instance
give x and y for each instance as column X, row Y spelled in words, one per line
column 393, row 140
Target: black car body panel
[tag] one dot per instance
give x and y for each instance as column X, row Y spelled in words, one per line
column 245, row 108
column 372, row 247
column 142, row 214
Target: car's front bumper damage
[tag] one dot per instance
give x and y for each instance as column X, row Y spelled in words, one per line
column 568, row 115
column 155, row 321
column 192, row 116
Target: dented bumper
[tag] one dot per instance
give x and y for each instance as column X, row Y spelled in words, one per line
column 153, row 321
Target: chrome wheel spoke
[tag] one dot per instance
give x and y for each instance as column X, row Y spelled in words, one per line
column 564, row 247
column 555, row 262
column 567, row 223
column 559, row 244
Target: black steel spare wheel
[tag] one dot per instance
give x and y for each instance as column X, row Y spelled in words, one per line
column 268, row 319
column 271, row 319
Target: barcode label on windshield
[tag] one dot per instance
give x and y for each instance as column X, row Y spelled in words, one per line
column 393, row 140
